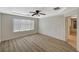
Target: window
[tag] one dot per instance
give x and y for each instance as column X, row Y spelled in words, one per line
column 22, row 25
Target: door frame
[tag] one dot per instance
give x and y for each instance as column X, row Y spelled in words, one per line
column 66, row 28
column 66, row 31
column 0, row 29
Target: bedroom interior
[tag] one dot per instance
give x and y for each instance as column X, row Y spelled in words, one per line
column 39, row 29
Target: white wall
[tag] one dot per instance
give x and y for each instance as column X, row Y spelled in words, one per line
column 7, row 27
column 53, row 26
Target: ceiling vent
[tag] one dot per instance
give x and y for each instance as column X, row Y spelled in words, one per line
column 57, row 8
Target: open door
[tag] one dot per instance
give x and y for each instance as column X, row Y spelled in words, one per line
column 71, row 30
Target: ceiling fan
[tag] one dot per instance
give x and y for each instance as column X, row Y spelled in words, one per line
column 37, row 13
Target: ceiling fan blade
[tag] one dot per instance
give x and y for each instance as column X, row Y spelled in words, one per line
column 32, row 12
column 42, row 13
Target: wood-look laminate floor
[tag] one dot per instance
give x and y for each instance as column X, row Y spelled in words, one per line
column 35, row 43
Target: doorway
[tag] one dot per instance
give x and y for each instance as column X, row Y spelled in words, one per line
column 71, row 30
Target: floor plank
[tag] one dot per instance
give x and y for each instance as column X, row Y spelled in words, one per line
column 35, row 43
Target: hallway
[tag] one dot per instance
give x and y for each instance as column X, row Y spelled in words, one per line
column 72, row 40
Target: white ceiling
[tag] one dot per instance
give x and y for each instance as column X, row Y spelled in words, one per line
column 24, row 11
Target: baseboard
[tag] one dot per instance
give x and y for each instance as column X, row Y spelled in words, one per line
column 52, row 37
column 19, row 37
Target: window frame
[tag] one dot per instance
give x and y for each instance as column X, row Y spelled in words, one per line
column 24, row 30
